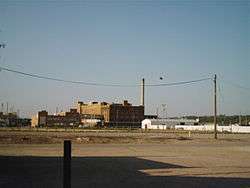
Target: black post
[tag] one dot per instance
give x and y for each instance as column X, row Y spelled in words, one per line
column 67, row 164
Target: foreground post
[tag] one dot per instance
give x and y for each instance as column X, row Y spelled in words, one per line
column 67, row 164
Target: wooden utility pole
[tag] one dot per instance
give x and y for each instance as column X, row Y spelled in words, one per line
column 215, row 106
column 142, row 92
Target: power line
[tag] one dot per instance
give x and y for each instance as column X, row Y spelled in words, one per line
column 236, row 85
column 179, row 83
column 58, row 79
column 100, row 84
column 136, row 3
column 128, row 1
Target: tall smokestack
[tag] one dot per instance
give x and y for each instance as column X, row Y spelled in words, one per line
column 142, row 91
column 7, row 107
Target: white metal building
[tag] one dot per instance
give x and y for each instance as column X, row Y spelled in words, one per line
column 166, row 123
column 210, row 127
column 190, row 125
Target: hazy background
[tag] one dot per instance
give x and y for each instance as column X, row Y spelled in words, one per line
column 121, row 42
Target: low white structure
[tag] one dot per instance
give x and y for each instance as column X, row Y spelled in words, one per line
column 89, row 122
column 210, row 127
column 190, row 125
column 166, row 123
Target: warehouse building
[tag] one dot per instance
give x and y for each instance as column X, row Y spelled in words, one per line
column 166, row 123
column 71, row 118
column 93, row 114
column 13, row 120
column 66, row 119
column 114, row 114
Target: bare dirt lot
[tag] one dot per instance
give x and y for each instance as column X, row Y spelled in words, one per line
column 125, row 159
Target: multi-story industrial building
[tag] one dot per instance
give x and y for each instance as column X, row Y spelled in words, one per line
column 114, row 114
column 12, row 120
column 94, row 113
column 66, row 119
column 71, row 118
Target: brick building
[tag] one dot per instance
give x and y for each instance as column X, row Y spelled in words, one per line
column 12, row 120
column 71, row 118
column 114, row 114
column 93, row 114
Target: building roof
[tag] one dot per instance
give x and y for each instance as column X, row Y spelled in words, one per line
column 165, row 121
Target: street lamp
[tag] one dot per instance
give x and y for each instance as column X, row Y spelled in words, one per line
column 164, row 109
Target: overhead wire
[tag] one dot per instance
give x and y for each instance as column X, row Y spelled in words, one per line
column 140, row 2
column 179, row 83
column 235, row 85
column 100, row 84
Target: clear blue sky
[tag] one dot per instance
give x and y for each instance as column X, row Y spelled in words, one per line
column 121, row 42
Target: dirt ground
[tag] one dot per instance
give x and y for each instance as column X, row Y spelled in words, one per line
column 125, row 159
column 113, row 136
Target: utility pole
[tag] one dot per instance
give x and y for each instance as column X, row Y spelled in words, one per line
column 2, row 107
column 142, row 92
column 18, row 113
column 117, row 117
column 215, row 106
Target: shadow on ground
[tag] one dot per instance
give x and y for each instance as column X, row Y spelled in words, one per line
column 118, row 172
